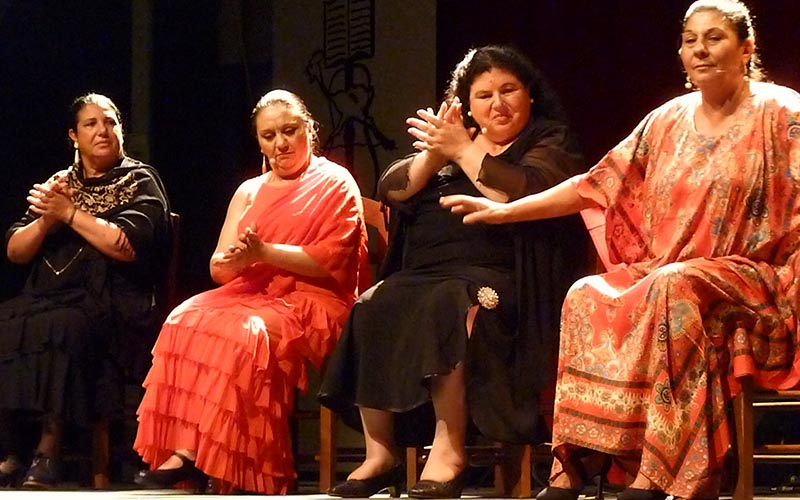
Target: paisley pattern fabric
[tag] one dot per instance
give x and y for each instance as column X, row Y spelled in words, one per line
column 708, row 231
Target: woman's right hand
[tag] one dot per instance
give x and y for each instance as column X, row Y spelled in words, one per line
column 52, row 201
column 245, row 252
column 476, row 209
column 442, row 134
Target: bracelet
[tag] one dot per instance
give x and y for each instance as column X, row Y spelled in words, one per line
column 72, row 215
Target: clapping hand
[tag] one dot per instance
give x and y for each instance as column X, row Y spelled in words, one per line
column 51, row 200
column 442, row 133
column 245, row 251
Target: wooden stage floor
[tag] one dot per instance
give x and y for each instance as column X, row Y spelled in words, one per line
column 178, row 494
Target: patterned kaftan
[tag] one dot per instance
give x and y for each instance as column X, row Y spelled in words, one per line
column 223, row 385
column 707, row 229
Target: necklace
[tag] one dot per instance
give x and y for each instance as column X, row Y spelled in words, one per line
column 58, row 272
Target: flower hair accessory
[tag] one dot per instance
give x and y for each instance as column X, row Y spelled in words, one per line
column 488, row 298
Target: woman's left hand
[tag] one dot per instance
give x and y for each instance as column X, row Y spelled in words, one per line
column 442, row 133
column 247, row 250
column 51, row 200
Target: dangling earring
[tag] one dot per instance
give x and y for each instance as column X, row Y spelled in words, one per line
column 263, row 164
column 689, row 85
column 77, row 157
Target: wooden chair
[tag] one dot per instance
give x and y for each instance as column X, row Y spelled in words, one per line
column 167, row 291
column 375, row 216
column 744, row 405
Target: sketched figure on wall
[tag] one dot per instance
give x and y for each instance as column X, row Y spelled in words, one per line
column 347, row 87
column 352, row 125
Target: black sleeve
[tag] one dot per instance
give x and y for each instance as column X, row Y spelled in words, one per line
column 549, row 158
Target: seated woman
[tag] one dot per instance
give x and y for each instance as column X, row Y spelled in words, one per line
column 95, row 236
column 227, row 361
column 447, row 316
column 701, row 210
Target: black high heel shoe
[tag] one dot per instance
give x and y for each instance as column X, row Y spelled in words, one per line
column 166, row 478
column 556, row 493
column 640, row 494
column 391, row 480
column 43, row 474
column 426, row 488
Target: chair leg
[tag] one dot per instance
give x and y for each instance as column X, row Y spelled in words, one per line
column 100, row 455
column 412, row 466
column 512, row 477
column 743, row 420
column 327, row 449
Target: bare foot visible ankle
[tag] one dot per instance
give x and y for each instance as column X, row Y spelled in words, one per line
column 568, row 479
column 10, row 464
column 371, row 468
column 175, row 462
column 443, row 467
column 642, row 483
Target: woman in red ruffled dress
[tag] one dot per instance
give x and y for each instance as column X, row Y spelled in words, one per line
column 227, row 361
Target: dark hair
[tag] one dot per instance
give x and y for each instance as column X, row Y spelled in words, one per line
column 92, row 98
column 482, row 59
column 294, row 103
column 739, row 16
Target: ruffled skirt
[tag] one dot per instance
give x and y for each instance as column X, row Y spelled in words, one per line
column 223, row 385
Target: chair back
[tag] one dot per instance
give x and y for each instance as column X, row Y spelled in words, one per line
column 171, row 279
column 376, row 218
column 595, row 220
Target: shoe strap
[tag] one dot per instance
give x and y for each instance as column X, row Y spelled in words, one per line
column 184, row 458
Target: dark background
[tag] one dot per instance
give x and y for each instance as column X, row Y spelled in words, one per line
column 611, row 61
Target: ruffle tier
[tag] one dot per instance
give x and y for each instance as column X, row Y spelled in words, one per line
column 220, row 381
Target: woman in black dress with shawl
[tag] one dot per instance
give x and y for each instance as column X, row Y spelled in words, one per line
column 96, row 238
column 467, row 316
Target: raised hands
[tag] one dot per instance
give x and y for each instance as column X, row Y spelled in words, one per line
column 52, row 200
column 246, row 251
column 442, row 133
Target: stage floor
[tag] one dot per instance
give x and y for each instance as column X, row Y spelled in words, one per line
column 178, row 494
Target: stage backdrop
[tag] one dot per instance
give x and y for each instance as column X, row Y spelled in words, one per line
column 363, row 67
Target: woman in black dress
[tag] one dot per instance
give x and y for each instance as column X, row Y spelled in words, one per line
column 467, row 316
column 96, row 238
